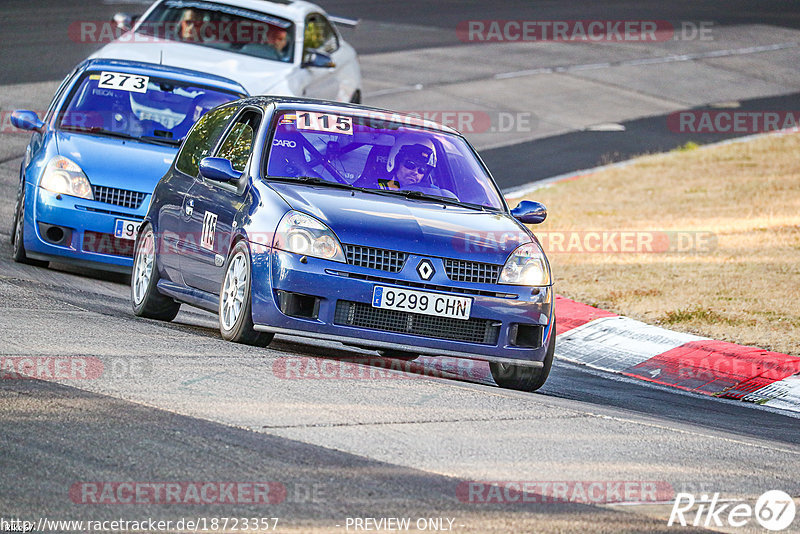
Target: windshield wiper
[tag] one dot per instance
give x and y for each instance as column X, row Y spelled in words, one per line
column 313, row 180
column 121, row 135
column 160, row 140
column 419, row 195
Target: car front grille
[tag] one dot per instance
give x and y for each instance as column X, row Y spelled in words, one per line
column 471, row 271
column 375, row 258
column 107, row 244
column 484, row 331
column 118, row 197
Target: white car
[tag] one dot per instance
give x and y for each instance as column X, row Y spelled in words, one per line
column 289, row 48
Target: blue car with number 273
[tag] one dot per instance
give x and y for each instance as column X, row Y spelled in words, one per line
column 351, row 224
column 111, row 131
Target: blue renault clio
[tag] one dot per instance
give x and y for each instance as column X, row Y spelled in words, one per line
column 350, row 224
column 111, row 131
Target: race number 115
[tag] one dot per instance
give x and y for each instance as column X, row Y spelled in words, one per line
column 325, row 122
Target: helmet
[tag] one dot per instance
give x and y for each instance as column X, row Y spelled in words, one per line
column 416, row 148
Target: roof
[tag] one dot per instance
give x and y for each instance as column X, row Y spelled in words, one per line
column 287, row 102
column 176, row 73
column 295, row 10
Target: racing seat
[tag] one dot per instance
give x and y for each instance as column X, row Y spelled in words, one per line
column 287, row 157
column 374, row 167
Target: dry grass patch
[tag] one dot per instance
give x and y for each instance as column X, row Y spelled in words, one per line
column 745, row 289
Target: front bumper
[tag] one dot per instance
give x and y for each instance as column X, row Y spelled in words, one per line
column 338, row 289
column 88, row 228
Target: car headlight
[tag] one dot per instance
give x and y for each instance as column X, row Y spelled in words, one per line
column 303, row 234
column 526, row 266
column 64, row 176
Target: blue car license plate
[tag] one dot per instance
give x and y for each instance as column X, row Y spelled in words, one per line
column 125, row 229
column 426, row 303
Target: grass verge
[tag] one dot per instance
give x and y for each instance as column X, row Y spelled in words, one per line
column 712, row 235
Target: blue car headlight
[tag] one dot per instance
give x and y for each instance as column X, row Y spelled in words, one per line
column 303, row 234
column 64, row 176
column 526, row 266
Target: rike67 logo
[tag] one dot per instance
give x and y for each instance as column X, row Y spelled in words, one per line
column 774, row 510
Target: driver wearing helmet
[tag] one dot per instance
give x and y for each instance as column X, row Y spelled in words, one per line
column 407, row 166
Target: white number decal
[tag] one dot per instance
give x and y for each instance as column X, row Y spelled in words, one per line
column 209, row 229
column 324, row 122
column 126, row 82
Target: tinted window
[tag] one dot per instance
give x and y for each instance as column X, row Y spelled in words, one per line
column 320, row 35
column 201, row 140
column 147, row 107
column 238, row 145
column 381, row 152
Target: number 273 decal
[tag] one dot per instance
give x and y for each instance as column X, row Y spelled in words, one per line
column 126, row 82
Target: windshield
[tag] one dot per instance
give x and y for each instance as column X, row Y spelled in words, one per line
column 378, row 154
column 223, row 27
column 138, row 106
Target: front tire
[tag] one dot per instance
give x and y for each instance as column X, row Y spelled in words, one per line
column 145, row 298
column 524, row 378
column 235, row 303
column 18, row 236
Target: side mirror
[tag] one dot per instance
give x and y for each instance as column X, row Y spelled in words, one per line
column 318, row 59
column 530, row 212
column 123, row 21
column 26, row 120
column 218, row 170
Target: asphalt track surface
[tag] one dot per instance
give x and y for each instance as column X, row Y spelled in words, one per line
column 186, row 406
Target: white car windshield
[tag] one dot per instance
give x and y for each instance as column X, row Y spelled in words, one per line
column 382, row 154
column 220, row 26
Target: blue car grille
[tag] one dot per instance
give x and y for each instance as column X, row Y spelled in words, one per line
column 118, row 197
column 471, row 271
column 483, row 331
column 375, row 258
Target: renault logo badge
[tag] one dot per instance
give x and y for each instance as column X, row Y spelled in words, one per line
column 425, row 269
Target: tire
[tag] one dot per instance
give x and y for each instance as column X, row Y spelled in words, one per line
column 18, row 233
column 235, row 304
column 525, row 378
column 145, row 298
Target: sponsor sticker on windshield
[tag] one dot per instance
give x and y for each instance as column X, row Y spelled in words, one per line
column 324, row 122
column 126, row 82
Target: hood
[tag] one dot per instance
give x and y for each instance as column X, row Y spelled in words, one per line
column 256, row 75
column 117, row 162
column 409, row 225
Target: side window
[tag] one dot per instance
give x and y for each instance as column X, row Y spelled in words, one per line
column 238, row 145
column 201, row 139
column 58, row 95
column 320, row 35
